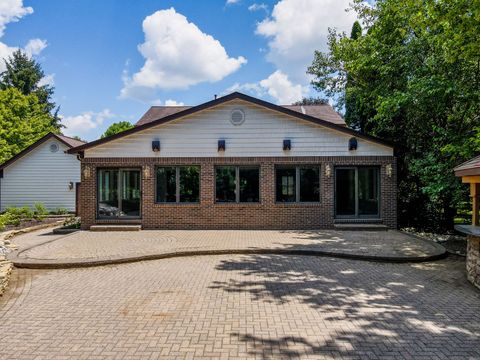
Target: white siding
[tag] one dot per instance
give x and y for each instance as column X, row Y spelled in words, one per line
column 261, row 134
column 41, row 176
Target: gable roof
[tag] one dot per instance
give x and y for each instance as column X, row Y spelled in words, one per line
column 320, row 111
column 68, row 141
column 470, row 167
column 224, row 99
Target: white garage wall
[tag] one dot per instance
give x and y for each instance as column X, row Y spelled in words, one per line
column 41, row 176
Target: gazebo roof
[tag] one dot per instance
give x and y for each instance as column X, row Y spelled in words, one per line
column 469, row 168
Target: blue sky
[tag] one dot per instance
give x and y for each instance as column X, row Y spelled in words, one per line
column 110, row 60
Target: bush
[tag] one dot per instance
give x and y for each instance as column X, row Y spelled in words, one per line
column 16, row 215
column 40, row 211
column 72, row 223
column 60, row 211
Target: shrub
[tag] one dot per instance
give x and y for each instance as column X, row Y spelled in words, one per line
column 16, row 215
column 60, row 211
column 39, row 211
column 72, row 223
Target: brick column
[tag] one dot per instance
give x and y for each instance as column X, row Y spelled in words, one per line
column 473, row 260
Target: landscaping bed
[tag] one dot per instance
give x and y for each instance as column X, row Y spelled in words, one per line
column 454, row 243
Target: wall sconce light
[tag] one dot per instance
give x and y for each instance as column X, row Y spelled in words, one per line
column 221, row 145
column 287, row 145
column 146, row 172
column 352, row 144
column 156, row 145
column 389, row 170
column 86, row 172
column 70, row 185
column 328, row 171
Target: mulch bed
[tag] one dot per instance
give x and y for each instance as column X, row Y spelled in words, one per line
column 456, row 244
column 29, row 223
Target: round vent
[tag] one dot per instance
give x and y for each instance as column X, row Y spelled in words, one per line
column 237, row 117
column 53, row 147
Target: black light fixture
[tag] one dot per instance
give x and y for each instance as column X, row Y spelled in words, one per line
column 352, row 144
column 221, row 145
column 156, row 145
column 287, row 145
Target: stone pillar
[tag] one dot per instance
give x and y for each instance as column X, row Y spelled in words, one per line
column 473, row 260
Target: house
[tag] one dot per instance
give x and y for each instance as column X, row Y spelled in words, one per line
column 43, row 173
column 238, row 162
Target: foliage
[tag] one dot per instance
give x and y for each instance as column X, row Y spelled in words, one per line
column 59, row 211
column 25, row 74
column 39, row 211
column 116, row 128
column 415, row 76
column 22, row 122
column 72, row 223
column 311, row 101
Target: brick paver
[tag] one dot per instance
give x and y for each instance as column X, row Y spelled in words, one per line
column 110, row 245
column 243, row 306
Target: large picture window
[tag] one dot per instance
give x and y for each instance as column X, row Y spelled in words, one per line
column 297, row 183
column 239, row 184
column 178, row 184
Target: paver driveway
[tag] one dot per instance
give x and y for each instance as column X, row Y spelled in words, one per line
column 242, row 306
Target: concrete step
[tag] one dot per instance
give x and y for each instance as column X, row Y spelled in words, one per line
column 116, row 227
column 360, row 226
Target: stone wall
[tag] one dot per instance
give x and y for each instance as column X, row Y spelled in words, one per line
column 473, row 260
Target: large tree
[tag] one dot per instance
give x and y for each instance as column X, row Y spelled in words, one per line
column 311, row 101
column 25, row 74
column 415, row 74
column 22, row 122
column 116, row 128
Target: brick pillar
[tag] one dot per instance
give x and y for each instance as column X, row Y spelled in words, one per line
column 473, row 260
column 327, row 189
column 88, row 195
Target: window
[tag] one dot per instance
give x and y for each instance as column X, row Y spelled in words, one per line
column 178, row 184
column 237, row 184
column 297, row 183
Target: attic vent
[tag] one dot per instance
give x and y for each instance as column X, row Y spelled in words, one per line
column 53, row 147
column 237, row 117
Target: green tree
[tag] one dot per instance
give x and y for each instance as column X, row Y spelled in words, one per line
column 25, row 74
column 415, row 75
column 22, row 122
column 116, row 128
column 311, row 101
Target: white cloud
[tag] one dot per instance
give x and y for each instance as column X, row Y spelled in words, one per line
column 47, row 80
column 277, row 85
column 12, row 11
column 171, row 102
column 297, row 28
column 282, row 89
column 35, row 46
column 177, row 55
column 257, row 7
column 231, row 2
column 83, row 123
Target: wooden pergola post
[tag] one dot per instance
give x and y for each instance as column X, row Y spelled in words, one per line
column 475, row 195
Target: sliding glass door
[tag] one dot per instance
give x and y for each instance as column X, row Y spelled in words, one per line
column 118, row 193
column 357, row 192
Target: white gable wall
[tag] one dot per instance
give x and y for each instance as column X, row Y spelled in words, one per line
column 261, row 134
column 41, row 176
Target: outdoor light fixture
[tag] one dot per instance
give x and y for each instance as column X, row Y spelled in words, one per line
column 156, row 145
column 328, row 171
column 86, row 172
column 70, row 185
column 146, row 172
column 352, row 144
column 287, row 145
column 389, row 170
column 221, row 145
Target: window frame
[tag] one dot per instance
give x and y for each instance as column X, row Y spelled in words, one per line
column 237, row 184
column 177, row 185
column 297, row 183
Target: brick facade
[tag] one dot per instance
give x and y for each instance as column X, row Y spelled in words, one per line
column 210, row 215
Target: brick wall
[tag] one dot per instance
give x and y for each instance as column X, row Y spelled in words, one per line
column 209, row 215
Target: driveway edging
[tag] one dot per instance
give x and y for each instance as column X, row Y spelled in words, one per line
column 82, row 263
